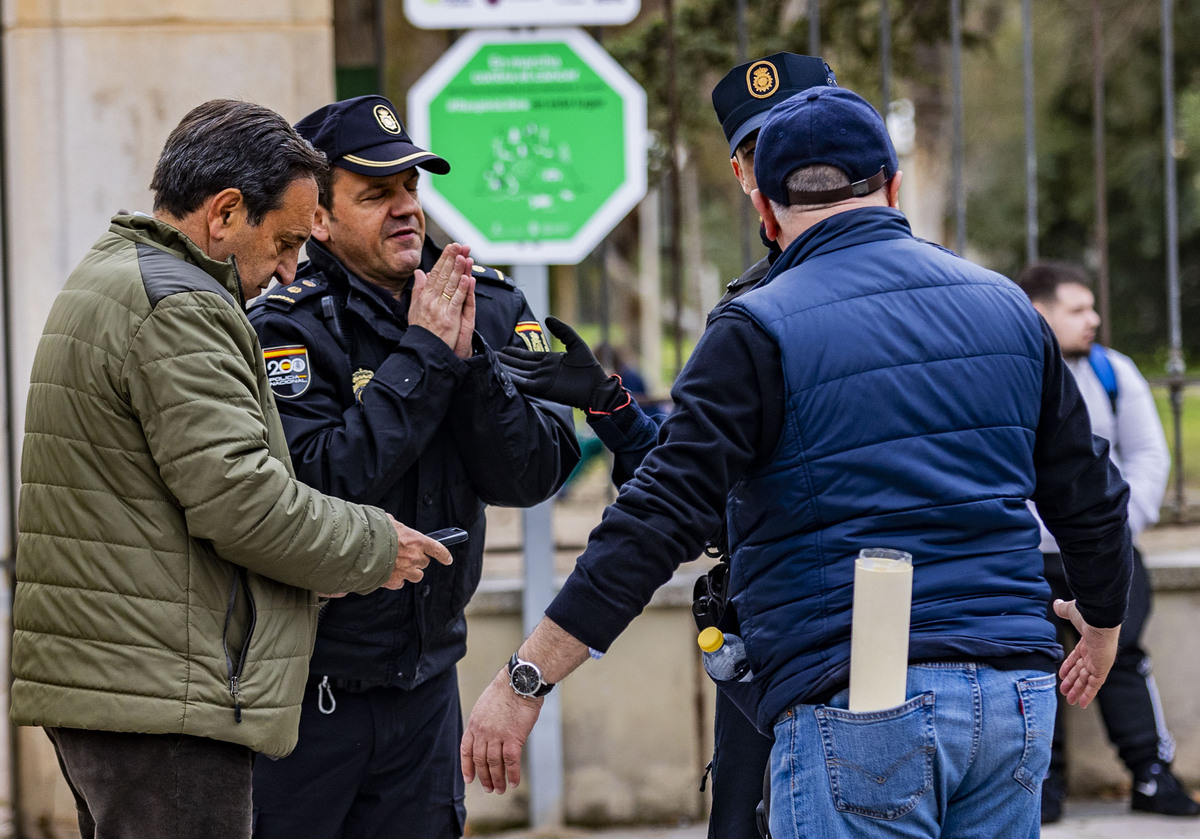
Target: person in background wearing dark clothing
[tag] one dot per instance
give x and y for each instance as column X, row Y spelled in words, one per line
column 390, row 392
column 1122, row 411
column 742, row 100
column 872, row 391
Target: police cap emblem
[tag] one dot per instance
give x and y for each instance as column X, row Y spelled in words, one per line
column 762, row 79
column 387, row 120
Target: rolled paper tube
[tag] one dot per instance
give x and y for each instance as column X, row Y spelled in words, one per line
column 879, row 629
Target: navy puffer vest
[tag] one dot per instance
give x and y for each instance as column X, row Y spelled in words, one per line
column 913, row 386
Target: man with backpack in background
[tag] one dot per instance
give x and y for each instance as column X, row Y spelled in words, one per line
column 1122, row 411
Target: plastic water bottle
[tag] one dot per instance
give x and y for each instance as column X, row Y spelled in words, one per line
column 724, row 656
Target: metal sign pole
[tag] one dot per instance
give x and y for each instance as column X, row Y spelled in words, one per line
column 1175, row 364
column 544, row 750
column 1031, row 195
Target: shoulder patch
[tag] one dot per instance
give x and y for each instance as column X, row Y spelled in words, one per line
column 530, row 333
column 491, row 275
column 288, row 370
column 286, row 296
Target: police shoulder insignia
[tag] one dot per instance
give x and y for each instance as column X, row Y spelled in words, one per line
column 288, row 370
column 293, row 293
column 762, row 79
column 492, row 275
column 359, row 379
column 530, row 332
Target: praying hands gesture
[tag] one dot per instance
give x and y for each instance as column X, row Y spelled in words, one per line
column 443, row 301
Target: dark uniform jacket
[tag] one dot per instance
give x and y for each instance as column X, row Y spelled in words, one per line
column 385, row 414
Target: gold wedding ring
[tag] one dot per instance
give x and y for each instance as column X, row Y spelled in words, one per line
column 447, row 296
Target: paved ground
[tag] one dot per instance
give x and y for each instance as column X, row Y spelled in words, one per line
column 1084, row 820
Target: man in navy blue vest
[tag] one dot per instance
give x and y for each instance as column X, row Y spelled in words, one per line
column 873, row 391
column 1122, row 411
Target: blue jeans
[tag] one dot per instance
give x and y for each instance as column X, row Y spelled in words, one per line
column 963, row 758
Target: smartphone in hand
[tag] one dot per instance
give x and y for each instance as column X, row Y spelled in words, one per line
column 449, row 536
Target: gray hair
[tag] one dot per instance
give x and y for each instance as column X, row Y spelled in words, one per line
column 818, row 178
column 227, row 143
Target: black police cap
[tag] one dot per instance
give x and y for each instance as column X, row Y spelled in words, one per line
column 746, row 95
column 364, row 135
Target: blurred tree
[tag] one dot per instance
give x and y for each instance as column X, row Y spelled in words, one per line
column 1134, row 142
column 706, row 48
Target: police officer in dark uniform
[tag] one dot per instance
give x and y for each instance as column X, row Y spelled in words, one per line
column 382, row 360
column 742, row 100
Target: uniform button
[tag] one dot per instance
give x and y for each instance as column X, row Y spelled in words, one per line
column 427, row 499
column 425, row 591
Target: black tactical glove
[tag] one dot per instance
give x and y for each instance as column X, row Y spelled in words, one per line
column 572, row 378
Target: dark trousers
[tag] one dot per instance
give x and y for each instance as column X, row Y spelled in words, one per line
column 384, row 763
column 740, row 755
column 1129, row 703
column 155, row 786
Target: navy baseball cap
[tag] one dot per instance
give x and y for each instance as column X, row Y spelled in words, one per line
column 748, row 91
column 824, row 125
column 364, row 135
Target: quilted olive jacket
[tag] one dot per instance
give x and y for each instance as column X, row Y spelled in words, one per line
column 167, row 557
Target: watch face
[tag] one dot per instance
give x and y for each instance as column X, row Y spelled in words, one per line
column 526, row 679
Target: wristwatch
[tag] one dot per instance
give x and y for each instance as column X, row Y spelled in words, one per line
column 526, row 678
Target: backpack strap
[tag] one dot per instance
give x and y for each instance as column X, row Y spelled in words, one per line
column 1102, row 367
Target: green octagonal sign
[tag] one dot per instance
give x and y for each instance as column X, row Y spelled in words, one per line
column 546, row 138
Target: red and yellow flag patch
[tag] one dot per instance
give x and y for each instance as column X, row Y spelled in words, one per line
column 530, row 332
column 287, row 370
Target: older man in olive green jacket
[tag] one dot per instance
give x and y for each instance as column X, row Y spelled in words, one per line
column 168, row 560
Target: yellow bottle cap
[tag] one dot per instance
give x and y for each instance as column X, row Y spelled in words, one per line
column 711, row 639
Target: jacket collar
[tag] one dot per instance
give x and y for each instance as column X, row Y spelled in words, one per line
column 357, row 291
column 144, row 229
column 844, row 230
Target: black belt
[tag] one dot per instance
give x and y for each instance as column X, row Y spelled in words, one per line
column 348, row 685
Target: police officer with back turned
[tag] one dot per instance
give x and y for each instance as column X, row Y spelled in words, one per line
column 742, row 101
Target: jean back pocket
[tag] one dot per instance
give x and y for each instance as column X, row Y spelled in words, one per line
column 1038, row 702
column 880, row 763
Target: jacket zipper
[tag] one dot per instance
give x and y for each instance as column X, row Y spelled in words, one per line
column 234, row 669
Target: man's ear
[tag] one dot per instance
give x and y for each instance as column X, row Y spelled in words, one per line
column 738, row 173
column 767, row 212
column 893, row 190
column 320, row 228
column 226, row 214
